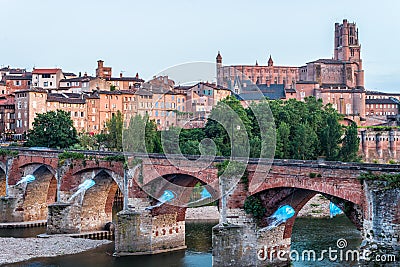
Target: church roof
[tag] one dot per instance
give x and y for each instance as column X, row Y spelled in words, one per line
column 262, row 91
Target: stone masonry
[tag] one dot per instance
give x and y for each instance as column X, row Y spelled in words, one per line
column 237, row 241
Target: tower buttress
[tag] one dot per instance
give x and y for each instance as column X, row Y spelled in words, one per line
column 219, row 69
column 270, row 61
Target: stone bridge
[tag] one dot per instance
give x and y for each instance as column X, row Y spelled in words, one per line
column 239, row 239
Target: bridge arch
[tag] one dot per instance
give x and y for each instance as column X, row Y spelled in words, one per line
column 186, row 187
column 297, row 198
column 98, row 201
column 40, row 193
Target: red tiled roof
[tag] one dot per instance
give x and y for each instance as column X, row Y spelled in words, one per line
column 45, row 71
column 7, row 101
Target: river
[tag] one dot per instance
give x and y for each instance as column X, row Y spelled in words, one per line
column 315, row 234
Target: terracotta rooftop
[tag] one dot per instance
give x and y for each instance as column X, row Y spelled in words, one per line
column 12, row 77
column 45, row 71
column 126, row 79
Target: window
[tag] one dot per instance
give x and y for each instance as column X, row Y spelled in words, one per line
column 348, row 109
column 76, row 114
column 46, row 76
column 45, row 84
column 82, row 114
column 106, row 106
column 19, row 105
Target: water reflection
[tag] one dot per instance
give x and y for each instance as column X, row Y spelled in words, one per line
column 314, row 234
column 199, row 236
column 198, row 254
column 22, row 232
column 320, row 234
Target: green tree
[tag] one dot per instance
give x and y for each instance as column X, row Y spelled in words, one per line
column 304, row 142
column 86, row 142
column 228, row 119
column 350, row 144
column 263, row 133
column 330, row 137
column 141, row 135
column 134, row 135
column 152, row 137
column 283, row 141
column 189, row 141
column 114, row 128
column 52, row 129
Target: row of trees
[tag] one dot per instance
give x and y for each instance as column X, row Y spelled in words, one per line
column 282, row 129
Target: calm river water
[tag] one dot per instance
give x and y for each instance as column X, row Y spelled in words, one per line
column 317, row 234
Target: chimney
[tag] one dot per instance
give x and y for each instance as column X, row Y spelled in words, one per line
column 120, row 74
column 137, row 75
column 100, row 64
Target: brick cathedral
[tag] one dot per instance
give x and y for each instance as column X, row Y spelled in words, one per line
column 339, row 81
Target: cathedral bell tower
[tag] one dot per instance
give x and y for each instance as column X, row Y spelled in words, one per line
column 348, row 48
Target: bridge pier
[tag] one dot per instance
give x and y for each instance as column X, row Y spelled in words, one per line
column 64, row 218
column 9, row 210
column 141, row 233
column 381, row 228
column 240, row 242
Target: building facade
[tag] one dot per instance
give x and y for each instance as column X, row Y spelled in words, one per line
column 7, row 118
column 338, row 81
column 48, row 79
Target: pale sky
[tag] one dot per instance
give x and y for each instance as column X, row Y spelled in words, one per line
column 149, row 36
